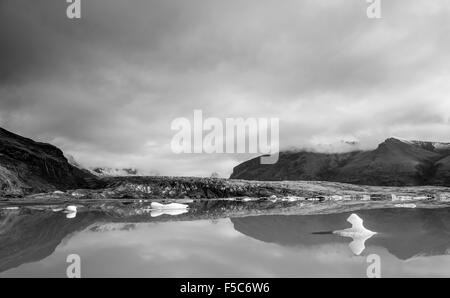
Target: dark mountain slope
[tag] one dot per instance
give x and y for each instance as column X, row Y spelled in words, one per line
column 27, row 166
column 441, row 172
column 393, row 163
column 294, row 166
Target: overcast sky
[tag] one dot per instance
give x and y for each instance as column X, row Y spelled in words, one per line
column 106, row 88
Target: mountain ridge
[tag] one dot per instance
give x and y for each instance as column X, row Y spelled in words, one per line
column 395, row 162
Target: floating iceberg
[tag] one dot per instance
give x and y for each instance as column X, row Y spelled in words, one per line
column 357, row 232
column 10, row 208
column 71, row 211
column 173, row 209
column 171, row 206
column 411, row 206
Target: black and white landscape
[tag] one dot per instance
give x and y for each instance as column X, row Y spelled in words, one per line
column 93, row 96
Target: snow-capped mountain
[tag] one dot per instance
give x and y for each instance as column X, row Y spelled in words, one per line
column 115, row 172
column 110, row 172
column 431, row 146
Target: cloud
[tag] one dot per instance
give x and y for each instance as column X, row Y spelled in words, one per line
column 106, row 86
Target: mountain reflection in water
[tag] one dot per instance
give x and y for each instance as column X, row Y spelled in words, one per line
column 36, row 243
column 405, row 233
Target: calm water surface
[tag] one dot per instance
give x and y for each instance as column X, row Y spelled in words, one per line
column 410, row 243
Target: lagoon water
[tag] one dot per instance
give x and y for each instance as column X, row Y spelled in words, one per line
column 409, row 242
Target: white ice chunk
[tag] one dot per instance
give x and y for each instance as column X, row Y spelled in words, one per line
column 357, row 232
column 71, row 208
column 406, row 205
column 71, row 211
column 171, row 206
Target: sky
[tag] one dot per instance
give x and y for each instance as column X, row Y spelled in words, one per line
column 105, row 88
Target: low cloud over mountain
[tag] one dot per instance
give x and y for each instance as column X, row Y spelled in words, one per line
column 395, row 162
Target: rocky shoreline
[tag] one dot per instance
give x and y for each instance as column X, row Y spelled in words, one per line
column 181, row 188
